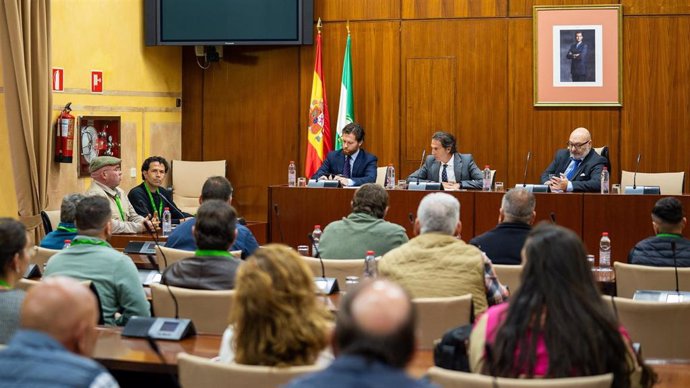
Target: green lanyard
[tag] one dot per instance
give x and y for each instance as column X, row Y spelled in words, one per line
column 119, row 207
column 89, row 242
column 153, row 204
column 669, row 235
column 210, row 252
column 5, row 284
column 67, row 229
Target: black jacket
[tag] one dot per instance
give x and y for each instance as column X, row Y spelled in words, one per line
column 202, row 273
column 656, row 251
column 141, row 202
column 588, row 174
column 503, row 243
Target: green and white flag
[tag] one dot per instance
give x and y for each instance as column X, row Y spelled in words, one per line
column 346, row 108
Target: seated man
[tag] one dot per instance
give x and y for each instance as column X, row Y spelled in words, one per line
column 212, row 267
column 106, row 173
column 215, row 187
column 577, row 168
column 463, row 172
column 90, row 257
column 56, row 339
column 364, row 229
column 374, row 340
column 66, row 230
column 150, row 197
column 437, row 263
column 668, row 221
column 503, row 244
column 351, row 166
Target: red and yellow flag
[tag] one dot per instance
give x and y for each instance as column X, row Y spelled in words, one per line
column 319, row 128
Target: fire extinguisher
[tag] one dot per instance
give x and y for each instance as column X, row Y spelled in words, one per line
column 64, row 136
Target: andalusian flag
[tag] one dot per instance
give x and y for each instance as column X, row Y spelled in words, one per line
column 319, row 131
column 346, row 109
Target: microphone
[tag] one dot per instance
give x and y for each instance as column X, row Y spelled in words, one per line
column 553, row 217
column 524, row 176
column 278, row 224
column 171, row 205
column 165, row 260
column 327, row 285
column 675, row 264
column 637, row 168
column 423, row 156
column 410, row 216
column 154, row 346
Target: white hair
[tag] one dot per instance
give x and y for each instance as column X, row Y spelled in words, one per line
column 438, row 212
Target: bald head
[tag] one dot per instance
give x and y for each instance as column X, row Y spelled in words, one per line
column 65, row 310
column 579, row 143
column 381, row 308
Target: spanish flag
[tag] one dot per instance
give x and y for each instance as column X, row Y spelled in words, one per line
column 319, row 128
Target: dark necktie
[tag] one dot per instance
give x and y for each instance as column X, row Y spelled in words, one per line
column 444, row 174
column 346, row 167
column 571, row 174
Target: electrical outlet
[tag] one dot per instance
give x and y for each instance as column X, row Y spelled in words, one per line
column 132, row 172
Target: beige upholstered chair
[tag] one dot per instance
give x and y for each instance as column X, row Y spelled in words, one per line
column 172, row 255
column 339, row 269
column 670, row 183
column 381, row 176
column 54, row 217
column 209, row 310
column 660, row 328
column 438, row 315
column 41, row 256
column 188, row 178
column 631, row 277
column 454, row 379
column 26, row 284
column 199, row 372
column 509, row 275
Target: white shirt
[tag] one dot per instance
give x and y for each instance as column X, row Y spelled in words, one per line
column 450, row 170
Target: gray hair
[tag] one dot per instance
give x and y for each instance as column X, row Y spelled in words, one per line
column 518, row 205
column 68, row 209
column 439, row 212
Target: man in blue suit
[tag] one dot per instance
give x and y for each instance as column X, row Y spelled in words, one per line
column 351, row 166
column 577, row 54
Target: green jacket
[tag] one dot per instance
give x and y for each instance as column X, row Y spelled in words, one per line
column 354, row 235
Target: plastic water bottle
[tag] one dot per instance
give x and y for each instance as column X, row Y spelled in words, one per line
column 316, row 235
column 292, row 174
column 605, row 252
column 167, row 221
column 67, row 244
column 605, row 178
column 370, row 265
column 486, row 184
column 390, row 177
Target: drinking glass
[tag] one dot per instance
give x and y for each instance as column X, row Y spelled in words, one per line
column 303, row 250
column 616, row 188
column 402, row 184
column 301, row 182
column 498, row 186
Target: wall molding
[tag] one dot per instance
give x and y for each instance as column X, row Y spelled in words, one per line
column 107, row 108
column 128, row 93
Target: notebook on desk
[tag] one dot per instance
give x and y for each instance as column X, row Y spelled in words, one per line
column 148, row 276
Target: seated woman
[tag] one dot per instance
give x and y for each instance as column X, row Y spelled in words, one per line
column 556, row 324
column 14, row 258
column 276, row 319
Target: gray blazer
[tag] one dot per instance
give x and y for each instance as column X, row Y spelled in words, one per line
column 466, row 171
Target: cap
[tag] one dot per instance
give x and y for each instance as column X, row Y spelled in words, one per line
column 103, row 161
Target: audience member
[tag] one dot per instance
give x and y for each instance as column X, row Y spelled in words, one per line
column 90, row 257
column 503, row 243
column 351, row 165
column 150, row 197
column 56, row 340
column 66, row 230
column 668, row 222
column 212, row 267
column 364, row 229
column 437, row 263
column 15, row 252
column 374, row 340
column 556, row 324
column 215, row 187
column 275, row 319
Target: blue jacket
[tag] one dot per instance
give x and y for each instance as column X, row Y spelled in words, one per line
column 56, row 238
column 363, row 170
column 182, row 238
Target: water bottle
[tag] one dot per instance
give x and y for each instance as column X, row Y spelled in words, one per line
column 167, row 221
column 390, row 177
column 604, row 252
column 370, row 269
column 67, row 244
column 486, row 181
column 605, row 177
column 292, row 174
column 316, row 235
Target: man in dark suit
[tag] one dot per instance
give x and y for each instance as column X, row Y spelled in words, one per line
column 576, row 168
column 150, row 197
column 446, row 165
column 578, row 58
column 351, row 166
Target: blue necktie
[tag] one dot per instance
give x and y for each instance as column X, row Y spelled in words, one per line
column 346, row 167
column 444, row 174
column 570, row 174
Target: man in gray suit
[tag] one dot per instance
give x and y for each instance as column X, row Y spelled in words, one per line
column 454, row 170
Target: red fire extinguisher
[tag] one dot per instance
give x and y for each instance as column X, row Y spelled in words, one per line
column 64, row 136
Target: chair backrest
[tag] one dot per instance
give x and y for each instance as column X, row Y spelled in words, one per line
column 199, row 372
column 209, row 310
column 509, row 275
column 187, row 179
column 26, row 284
column 660, row 328
column 41, row 256
column 438, row 315
column 670, row 183
column 381, row 175
column 172, row 255
column 454, row 379
column 339, row 269
column 604, row 151
column 631, row 277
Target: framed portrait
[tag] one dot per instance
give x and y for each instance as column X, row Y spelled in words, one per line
column 98, row 136
column 578, row 55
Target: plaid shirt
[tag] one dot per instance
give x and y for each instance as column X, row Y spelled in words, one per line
column 496, row 292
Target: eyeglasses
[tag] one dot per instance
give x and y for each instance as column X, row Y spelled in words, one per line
column 576, row 145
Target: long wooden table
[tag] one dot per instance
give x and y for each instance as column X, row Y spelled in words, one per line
column 293, row 212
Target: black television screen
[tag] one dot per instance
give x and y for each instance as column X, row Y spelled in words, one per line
column 228, row 22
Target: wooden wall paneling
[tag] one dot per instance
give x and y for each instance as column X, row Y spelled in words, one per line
column 341, row 10
column 251, row 120
column 426, row 9
column 192, row 104
column 655, row 7
column 524, row 7
column 656, row 112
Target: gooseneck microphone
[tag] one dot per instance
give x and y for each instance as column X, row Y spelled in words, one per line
column 410, row 216
column 553, row 217
column 154, row 346
column 318, row 254
column 675, row 264
column 327, row 286
column 171, row 205
column 423, row 156
column 278, row 223
column 524, row 176
column 637, row 168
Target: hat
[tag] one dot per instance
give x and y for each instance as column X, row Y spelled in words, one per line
column 103, row 161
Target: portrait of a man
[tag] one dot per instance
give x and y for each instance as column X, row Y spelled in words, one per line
column 578, row 55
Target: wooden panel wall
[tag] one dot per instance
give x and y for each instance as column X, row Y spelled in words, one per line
column 420, row 65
